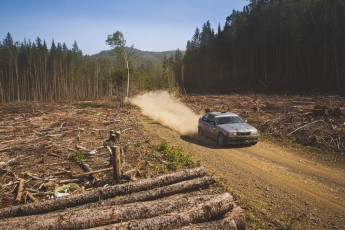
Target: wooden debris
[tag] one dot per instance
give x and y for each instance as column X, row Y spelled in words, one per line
column 295, row 117
column 116, row 162
column 31, row 197
column 92, row 172
column 86, row 168
column 237, row 214
column 100, row 193
column 156, row 193
column 20, row 190
column 205, row 211
column 303, row 126
column 87, row 218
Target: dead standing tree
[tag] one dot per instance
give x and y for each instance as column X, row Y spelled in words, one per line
column 118, row 43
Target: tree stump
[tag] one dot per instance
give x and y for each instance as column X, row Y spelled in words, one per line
column 116, row 162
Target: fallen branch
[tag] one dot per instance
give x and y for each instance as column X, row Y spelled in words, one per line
column 93, row 172
column 10, row 183
column 31, row 197
column 66, row 181
column 101, row 193
column 303, row 126
column 20, row 190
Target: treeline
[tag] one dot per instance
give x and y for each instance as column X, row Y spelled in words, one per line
column 29, row 71
column 279, row 46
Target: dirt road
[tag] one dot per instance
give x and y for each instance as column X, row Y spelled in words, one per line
column 279, row 187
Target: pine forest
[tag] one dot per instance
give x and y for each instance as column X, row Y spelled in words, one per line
column 271, row 46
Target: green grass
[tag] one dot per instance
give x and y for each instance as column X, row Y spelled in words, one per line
column 175, row 157
column 78, row 156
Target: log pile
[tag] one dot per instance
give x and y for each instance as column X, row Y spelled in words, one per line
column 157, row 203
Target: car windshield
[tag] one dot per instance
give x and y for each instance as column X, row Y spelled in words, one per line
column 228, row 120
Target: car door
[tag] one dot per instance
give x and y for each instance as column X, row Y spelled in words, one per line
column 204, row 124
column 212, row 127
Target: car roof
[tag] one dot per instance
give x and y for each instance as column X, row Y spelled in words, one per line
column 218, row 114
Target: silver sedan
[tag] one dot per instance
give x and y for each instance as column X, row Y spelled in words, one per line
column 227, row 128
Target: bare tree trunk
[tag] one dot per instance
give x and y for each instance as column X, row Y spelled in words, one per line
column 127, row 92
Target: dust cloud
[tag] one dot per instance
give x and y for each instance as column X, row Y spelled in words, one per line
column 168, row 111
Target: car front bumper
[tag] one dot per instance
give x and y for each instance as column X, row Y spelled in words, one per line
column 242, row 140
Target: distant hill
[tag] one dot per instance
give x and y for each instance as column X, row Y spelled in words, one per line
column 141, row 57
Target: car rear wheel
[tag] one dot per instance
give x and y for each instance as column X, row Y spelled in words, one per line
column 220, row 139
column 200, row 132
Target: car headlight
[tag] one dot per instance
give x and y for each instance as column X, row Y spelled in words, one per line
column 255, row 132
column 231, row 134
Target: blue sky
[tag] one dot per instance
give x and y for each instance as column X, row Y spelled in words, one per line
column 149, row 25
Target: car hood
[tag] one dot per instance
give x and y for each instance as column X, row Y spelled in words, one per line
column 239, row 127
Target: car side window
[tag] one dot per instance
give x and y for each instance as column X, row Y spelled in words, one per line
column 205, row 118
column 211, row 119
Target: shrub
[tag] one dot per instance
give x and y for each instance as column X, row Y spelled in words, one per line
column 176, row 157
column 78, row 156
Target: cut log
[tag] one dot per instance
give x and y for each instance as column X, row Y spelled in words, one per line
column 237, row 215
column 233, row 220
column 203, row 212
column 226, row 223
column 184, row 186
column 95, row 217
column 101, row 193
column 20, row 190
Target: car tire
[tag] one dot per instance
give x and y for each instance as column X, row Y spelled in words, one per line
column 254, row 143
column 200, row 132
column 220, row 139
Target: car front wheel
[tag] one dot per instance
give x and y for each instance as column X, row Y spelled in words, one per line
column 220, row 139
